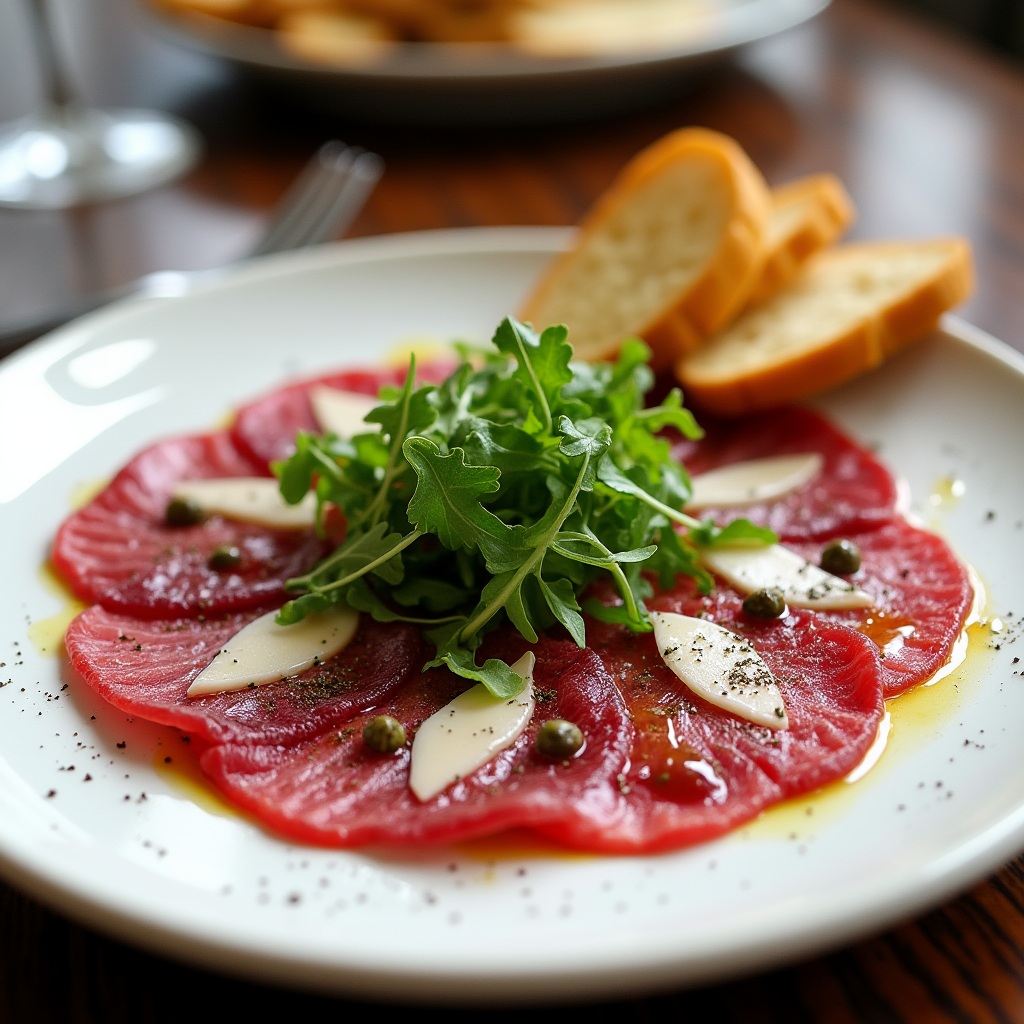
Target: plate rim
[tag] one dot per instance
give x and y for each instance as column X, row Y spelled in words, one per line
column 957, row 868
column 251, row 46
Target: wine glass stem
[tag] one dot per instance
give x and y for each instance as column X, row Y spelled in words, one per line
column 56, row 85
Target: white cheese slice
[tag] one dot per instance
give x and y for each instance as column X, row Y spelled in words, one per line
column 264, row 652
column 253, row 499
column 721, row 667
column 744, row 483
column 465, row 734
column 771, row 565
column 341, row 412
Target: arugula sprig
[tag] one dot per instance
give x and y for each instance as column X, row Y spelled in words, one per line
column 503, row 493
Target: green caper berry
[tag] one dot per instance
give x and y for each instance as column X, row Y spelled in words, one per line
column 384, row 734
column 841, row 557
column 227, row 556
column 558, row 738
column 769, row 603
column 183, row 512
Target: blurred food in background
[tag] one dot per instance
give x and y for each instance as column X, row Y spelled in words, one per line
column 343, row 31
column 475, row 61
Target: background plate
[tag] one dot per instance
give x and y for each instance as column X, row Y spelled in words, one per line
column 487, row 83
column 144, row 854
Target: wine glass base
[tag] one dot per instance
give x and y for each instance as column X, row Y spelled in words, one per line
column 71, row 156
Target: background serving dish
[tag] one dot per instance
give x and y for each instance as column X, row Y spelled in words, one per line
column 490, row 83
column 943, row 806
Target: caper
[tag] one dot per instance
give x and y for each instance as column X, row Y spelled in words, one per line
column 184, row 512
column 558, row 738
column 227, row 556
column 384, row 734
column 841, row 557
column 768, row 603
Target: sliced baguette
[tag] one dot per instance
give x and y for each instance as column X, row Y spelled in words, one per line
column 668, row 253
column 808, row 215
column 853, row 306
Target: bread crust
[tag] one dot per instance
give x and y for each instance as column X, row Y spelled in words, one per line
column 828, row 212
column 862, row 345
column 721, row 288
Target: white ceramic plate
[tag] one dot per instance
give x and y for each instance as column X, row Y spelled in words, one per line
column 944, row 805
column 491, row 82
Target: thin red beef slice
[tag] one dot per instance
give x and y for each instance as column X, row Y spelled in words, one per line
column 145, row 667
column 265, row 429
column 335, row 792
column 853, row 492
column 697, row 771
column 119, row 551
column 923, row 595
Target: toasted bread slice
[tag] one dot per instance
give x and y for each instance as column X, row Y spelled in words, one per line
column 853, row 306
column 808, row 215
column 668, row 253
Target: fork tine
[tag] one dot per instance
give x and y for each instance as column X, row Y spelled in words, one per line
column 313, row 190
column 294, row 210
column 363, row 175
column 334, row 171
column 297, row 196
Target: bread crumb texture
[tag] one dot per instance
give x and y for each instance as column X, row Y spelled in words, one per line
column 669, row 253
column 852, row 307
column 808, row 215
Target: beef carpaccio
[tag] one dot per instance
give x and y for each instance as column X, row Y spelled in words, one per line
column 145, row 666
column 332, row 790
column 660, row 767
column 119, row 551
column 854, row 492
column 922, row 593
column 696, row 771
column 264, row 430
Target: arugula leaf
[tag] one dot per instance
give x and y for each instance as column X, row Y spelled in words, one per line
column 435, row 595
column 361, row 596
column 296, row 474
column 551, row 362
column 494, row 673
column 501, row 494
column 412, row 411
column 543, row 362
column 605, row 561
column 447, row 503
column 672, row 414
column 612, row 476
column 508, row 448
column 588, row 437
column 561, row 599
column 615, row 614
column 297, row 609
column 377, row 551
column 505, row 590
column 740, row 532
column 676, row 556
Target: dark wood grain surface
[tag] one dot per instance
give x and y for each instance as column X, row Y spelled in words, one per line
column 927, row 132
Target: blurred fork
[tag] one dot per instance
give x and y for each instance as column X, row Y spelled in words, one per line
column 323, row 200
column 319, row 205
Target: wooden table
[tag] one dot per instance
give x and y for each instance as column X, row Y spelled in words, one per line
column 929, row 136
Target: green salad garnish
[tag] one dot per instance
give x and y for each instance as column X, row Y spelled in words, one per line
column 504, row 492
